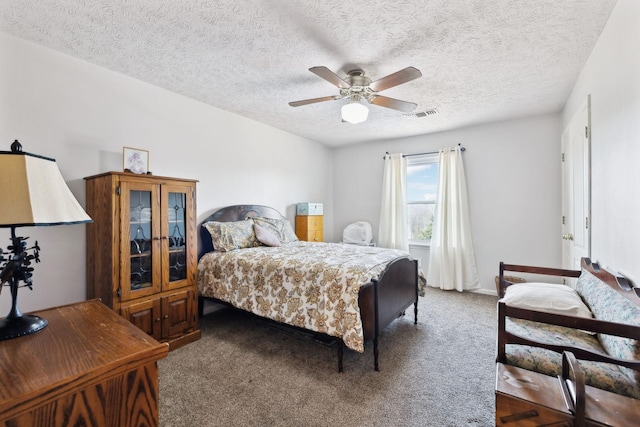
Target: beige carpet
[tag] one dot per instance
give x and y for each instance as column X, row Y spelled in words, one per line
column 245, row 372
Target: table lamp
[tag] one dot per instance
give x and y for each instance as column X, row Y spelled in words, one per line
column 32, row 194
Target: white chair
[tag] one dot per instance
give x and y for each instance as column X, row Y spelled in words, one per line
column 358, row 233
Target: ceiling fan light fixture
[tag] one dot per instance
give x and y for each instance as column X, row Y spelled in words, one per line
column 354, row 112
column 357, row 87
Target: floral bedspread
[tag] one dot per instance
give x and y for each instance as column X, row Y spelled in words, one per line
column 310, row 285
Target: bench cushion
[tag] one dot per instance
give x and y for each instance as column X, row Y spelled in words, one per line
column 607, row 304
column 602, row 375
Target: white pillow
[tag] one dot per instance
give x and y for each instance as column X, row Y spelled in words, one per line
column 266, row 237
column 547, row 297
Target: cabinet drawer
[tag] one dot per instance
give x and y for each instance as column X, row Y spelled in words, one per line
column 309, row 228
column 315, row 236
column 309, row 222
column 315, row 222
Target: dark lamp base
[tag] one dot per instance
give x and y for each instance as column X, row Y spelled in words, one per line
column 18, row 326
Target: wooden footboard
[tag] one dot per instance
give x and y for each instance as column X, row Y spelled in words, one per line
column 384, row 300
column 397, row 290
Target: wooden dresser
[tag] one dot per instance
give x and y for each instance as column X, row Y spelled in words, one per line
column 88, row 367
column 309, row 228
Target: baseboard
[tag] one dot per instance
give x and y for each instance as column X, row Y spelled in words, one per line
column 485, row 292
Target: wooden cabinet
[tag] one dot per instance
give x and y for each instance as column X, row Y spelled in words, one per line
column 87, row 367
column 141, row 252
column 309, row 228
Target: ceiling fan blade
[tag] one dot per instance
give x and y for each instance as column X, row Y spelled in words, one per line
column 330, row 76
column 396, row 104
column 314, row 100
column 395, row 79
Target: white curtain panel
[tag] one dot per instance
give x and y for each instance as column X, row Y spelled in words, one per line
column 452, row 261
column 392, row 232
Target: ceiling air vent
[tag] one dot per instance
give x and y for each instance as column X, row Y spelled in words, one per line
column 422, row 113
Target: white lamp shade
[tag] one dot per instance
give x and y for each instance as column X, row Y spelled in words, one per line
column 33, row 193
column 354, row 112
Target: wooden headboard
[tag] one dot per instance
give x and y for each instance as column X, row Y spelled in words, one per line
column 234, row 213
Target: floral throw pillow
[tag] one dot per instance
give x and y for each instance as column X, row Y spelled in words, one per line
column 229, row 236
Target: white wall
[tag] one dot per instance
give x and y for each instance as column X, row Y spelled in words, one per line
column 82, row 115
column 513, row 177
column 612, row 77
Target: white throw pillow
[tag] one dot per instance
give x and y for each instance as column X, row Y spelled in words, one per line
column 266, row 237
column 547, row 297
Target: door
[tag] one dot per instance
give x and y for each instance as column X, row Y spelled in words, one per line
column 576, row 191
column 178, row 313
column 140, row 245
column 178, row 236
column 145, row 315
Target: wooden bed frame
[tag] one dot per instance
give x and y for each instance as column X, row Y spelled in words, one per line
column 381, row 301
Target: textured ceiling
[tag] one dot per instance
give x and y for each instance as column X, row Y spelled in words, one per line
column 481, row 60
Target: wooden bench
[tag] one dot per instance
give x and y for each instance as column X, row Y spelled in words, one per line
column 606, row 346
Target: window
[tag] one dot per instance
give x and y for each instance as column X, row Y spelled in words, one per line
column 422, row 187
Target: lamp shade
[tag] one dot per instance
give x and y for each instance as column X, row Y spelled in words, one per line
column 354, row 112
column 33, row 192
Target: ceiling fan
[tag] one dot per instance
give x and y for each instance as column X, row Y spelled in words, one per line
column 357, row 86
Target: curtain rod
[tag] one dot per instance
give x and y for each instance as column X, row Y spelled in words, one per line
column 430, row 152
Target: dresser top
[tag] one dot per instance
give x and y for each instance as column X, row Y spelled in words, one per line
column 83, row 343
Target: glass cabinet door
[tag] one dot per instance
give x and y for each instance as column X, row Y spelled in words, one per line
column 142, row 248
column 177, row 236
column 176, row 200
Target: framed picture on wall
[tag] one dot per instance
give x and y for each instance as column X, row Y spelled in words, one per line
column 135, row 160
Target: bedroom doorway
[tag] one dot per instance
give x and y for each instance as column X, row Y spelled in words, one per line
column 576, row 188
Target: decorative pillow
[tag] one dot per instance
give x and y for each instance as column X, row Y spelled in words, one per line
column 281, row 228
column 228, row 236
column 607, row 304
column 547, row 297
column 266, row 237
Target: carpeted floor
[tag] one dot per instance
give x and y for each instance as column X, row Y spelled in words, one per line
column 245, row 372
